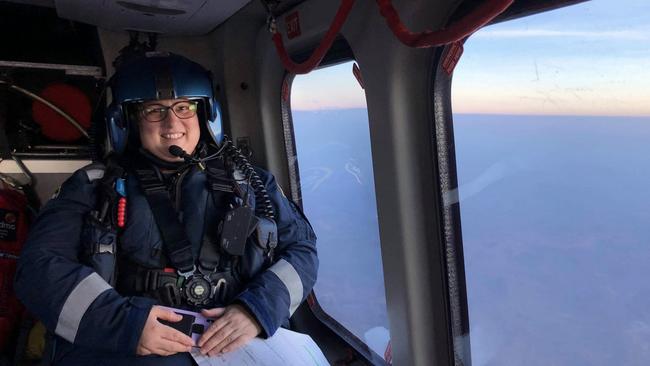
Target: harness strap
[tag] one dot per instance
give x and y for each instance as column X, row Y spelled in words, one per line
column 209, row 257
column 213, row 279
column 165, row 285
column 177, row 247
column 220, row 195
column 161, row 284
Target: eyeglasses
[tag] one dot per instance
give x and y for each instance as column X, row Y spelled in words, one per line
column 157, row 112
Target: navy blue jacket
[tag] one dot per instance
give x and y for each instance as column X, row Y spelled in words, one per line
column 93, row 322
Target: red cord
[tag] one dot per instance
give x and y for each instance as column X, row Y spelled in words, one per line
column 316, row 57
column 464, row 27
column 457, row 31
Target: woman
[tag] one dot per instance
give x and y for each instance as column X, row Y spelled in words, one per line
column 177, row 218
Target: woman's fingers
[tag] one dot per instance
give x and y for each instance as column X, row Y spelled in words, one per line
column 160, row 339
column 215, row 327
column 213, row 313
column 211, row 346
column 238, row 342
column 167, row 347
column 174, row 335
column 234, row 328
column 165, row 314
column 226, row 343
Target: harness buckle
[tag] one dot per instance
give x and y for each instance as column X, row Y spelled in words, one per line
column 187, row 274
column 197, row 289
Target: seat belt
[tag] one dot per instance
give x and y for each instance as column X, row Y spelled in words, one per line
column 177, row 247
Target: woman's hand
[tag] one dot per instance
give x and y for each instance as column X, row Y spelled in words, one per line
column 233, row 327
column 160, row 339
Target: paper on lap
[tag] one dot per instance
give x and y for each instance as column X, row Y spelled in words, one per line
column 284, row 348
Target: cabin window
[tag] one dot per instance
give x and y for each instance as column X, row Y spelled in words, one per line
column 337, row 193
column 552, row 132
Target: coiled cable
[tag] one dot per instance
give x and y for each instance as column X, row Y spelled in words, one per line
column 263, row 206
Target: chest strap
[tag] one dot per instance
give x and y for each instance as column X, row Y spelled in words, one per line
column 176, row 245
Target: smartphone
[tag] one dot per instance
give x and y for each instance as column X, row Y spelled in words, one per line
column 193, row 324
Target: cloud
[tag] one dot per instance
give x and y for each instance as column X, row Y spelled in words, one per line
column 629, row 35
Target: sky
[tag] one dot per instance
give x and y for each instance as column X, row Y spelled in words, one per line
column 587, row 59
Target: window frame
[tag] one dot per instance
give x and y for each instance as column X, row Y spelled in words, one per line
column 340, row 53
column 443, row 139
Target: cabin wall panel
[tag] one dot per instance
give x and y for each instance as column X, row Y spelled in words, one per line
column 271, row 75
column 240, row 55
column 399, row 100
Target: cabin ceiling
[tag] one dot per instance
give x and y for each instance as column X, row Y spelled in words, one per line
column 177, row 17
column 166, row 17
column 198, row 17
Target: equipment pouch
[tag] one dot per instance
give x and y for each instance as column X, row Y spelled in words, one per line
column 100, row 246
column 235, row 230
column 267, row 235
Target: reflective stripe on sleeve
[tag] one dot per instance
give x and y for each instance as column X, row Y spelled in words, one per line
column 94, row 174
column 76, row 305
column 291, row 280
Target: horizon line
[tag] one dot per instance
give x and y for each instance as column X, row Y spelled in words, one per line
column 496, row 114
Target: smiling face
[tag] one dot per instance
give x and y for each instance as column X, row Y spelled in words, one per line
column 157, row 137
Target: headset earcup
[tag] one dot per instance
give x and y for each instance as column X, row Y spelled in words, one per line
column 118, row 132
column 214, row 122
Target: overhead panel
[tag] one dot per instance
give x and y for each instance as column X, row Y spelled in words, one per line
column 171, row 17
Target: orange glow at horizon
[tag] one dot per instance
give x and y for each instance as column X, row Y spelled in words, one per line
column 552, row 101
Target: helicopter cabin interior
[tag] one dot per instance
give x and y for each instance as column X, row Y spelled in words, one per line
column 63, row 52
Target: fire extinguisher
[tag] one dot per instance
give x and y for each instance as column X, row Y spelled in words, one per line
column 14, row 220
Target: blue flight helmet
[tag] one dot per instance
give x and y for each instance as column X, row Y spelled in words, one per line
column 157, row 75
